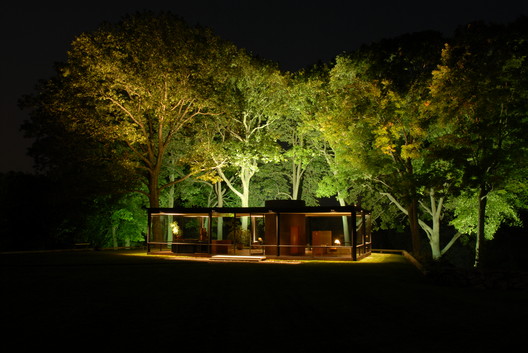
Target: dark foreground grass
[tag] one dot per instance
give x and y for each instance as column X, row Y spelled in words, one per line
column 82, row 301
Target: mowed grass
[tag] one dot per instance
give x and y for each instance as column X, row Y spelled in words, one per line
column 102, row 300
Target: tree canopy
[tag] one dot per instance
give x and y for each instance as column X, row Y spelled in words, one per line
column 479, row 92
column 416, row 124
column 141, row 86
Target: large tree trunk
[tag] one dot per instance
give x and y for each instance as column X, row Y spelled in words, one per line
column 346, row 231
column 220, row 203
column 245, row 202
column 482, row 202
column 156, row 231
column 434, row 242
column 412, row 214
column 412, row 210
column 433, row 232
column 153, row 192
column 245, row 178
column 297, row 173
column 170, row 204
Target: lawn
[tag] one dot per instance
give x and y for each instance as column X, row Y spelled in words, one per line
column 124, row 299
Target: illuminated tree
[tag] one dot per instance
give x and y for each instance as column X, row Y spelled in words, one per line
column 312, row 141
column 402, row 131
column 116, row 221
column 344, row 100
column 300, row 141
column 501, row 208
column 252, row 104
column 379, row 126
column 142, row 86
column 480, row 92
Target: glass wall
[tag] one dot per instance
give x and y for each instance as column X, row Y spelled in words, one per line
column 302, row 234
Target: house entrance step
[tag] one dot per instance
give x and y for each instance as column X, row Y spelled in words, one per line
column 237, row 258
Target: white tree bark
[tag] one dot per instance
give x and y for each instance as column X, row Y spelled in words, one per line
column 245, row 177
column 346, row 231
column 435, row 210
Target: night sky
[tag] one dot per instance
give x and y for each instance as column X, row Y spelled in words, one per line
column 295, row 34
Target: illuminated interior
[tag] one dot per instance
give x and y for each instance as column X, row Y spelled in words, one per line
column 280, row 229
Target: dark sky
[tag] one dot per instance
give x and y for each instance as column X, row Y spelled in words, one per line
column 293, row 33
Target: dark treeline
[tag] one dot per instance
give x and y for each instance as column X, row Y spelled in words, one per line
column 426, row 132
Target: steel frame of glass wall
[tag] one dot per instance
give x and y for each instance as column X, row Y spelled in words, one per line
column 342, row 232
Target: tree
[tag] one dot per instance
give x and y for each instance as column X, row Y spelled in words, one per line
column 480, row 93
column 402, row 69
column 500, row 209
column 438, row 184
column 351, row 120
column 252, row 105
column 86, row 168
column 299, row 140
column 378, row 122
column 139, row 86
column 116, row 221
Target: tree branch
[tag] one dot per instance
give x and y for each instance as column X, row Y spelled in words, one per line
column 228, row 182
column 393, row 200
column 451, row 242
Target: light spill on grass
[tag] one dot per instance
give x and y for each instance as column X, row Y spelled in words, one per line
column 374, row 258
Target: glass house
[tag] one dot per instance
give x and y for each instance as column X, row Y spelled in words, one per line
column 281, row 229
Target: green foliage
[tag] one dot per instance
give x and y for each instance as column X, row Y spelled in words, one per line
column 115, row 221
column 500, row 210
column 152, row 105
column 479, row 93
column 271, row 183
column 375, row 121
column 141, row 86
column 252, row 103
column 300, row 139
